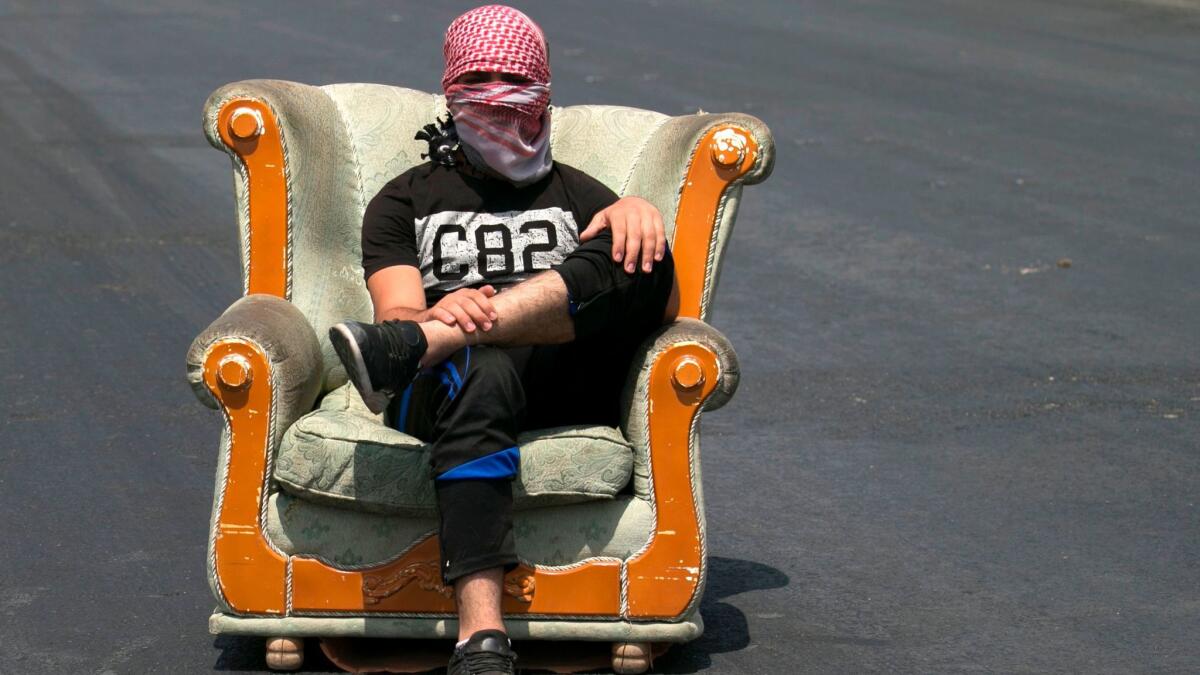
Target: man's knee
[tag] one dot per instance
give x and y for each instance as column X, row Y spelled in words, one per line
column 662, row 276
column 601, row 292
column 488, row 371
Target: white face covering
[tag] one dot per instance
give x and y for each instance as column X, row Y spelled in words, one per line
column 505, row 126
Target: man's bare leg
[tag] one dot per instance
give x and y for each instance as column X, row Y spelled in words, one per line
column 478, row 598
column 533, row 312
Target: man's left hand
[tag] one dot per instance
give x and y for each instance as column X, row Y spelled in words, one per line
column 637, row 230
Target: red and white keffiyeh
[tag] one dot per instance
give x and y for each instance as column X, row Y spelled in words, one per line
column 506, row 124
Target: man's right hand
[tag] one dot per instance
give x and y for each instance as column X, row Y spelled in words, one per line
column 466, row 308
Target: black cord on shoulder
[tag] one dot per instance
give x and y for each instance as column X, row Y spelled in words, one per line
column 443, row 142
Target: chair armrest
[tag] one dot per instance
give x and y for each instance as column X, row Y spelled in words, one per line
column 685, row 368
column 679, row 332
column 636, row 403
column 259, row 363
column 283, row 334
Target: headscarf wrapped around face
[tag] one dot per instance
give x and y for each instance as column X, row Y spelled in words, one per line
column 505, row 125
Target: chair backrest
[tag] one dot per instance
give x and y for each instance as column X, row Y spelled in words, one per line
column 339, row 144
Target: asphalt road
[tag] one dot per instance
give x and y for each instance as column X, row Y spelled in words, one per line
column 949, row 453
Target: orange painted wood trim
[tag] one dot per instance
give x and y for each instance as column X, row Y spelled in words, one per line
column 723, row 155
column 249, row 128
column 663, row 578
column 412, row 584
column 249, row 572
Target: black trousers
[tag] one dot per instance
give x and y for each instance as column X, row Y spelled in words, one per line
column 471, row 407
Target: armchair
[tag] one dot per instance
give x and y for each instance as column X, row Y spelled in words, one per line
column 322, row 520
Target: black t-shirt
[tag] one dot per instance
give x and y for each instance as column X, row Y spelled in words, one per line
column 461, row 230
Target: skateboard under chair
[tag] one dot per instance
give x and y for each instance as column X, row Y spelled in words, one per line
column 323, row 521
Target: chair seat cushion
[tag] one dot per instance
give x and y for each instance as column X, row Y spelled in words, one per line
column 342, row 455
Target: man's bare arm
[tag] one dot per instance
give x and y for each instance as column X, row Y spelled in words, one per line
column 398, row 292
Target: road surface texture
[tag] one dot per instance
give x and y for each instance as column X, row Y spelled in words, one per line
column 951, row 452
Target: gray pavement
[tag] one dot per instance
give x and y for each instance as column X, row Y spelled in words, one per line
column 948, row 454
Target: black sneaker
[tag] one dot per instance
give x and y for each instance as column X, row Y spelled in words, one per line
column 487, row 652
column 380, row 358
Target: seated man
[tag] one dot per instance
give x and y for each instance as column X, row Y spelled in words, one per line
column 496, row 313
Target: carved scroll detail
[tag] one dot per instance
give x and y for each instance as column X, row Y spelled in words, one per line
column 376, row 587
column 520, row 588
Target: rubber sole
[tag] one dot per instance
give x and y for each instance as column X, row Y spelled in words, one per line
column 346, row 346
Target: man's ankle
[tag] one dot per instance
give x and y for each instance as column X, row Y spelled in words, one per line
column 465, row 636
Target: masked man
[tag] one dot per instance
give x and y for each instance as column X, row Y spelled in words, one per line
column 496, row 311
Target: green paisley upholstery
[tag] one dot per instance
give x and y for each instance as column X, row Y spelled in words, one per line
column 341, row 454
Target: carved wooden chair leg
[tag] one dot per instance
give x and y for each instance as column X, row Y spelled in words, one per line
column 285, row 653
column 631, row 658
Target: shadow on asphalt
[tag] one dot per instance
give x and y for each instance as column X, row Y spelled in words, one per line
column 725, row 626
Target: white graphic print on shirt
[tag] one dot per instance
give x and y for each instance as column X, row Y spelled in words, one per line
column 464, row 248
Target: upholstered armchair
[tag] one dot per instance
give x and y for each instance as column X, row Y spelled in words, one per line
column 323, row 518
